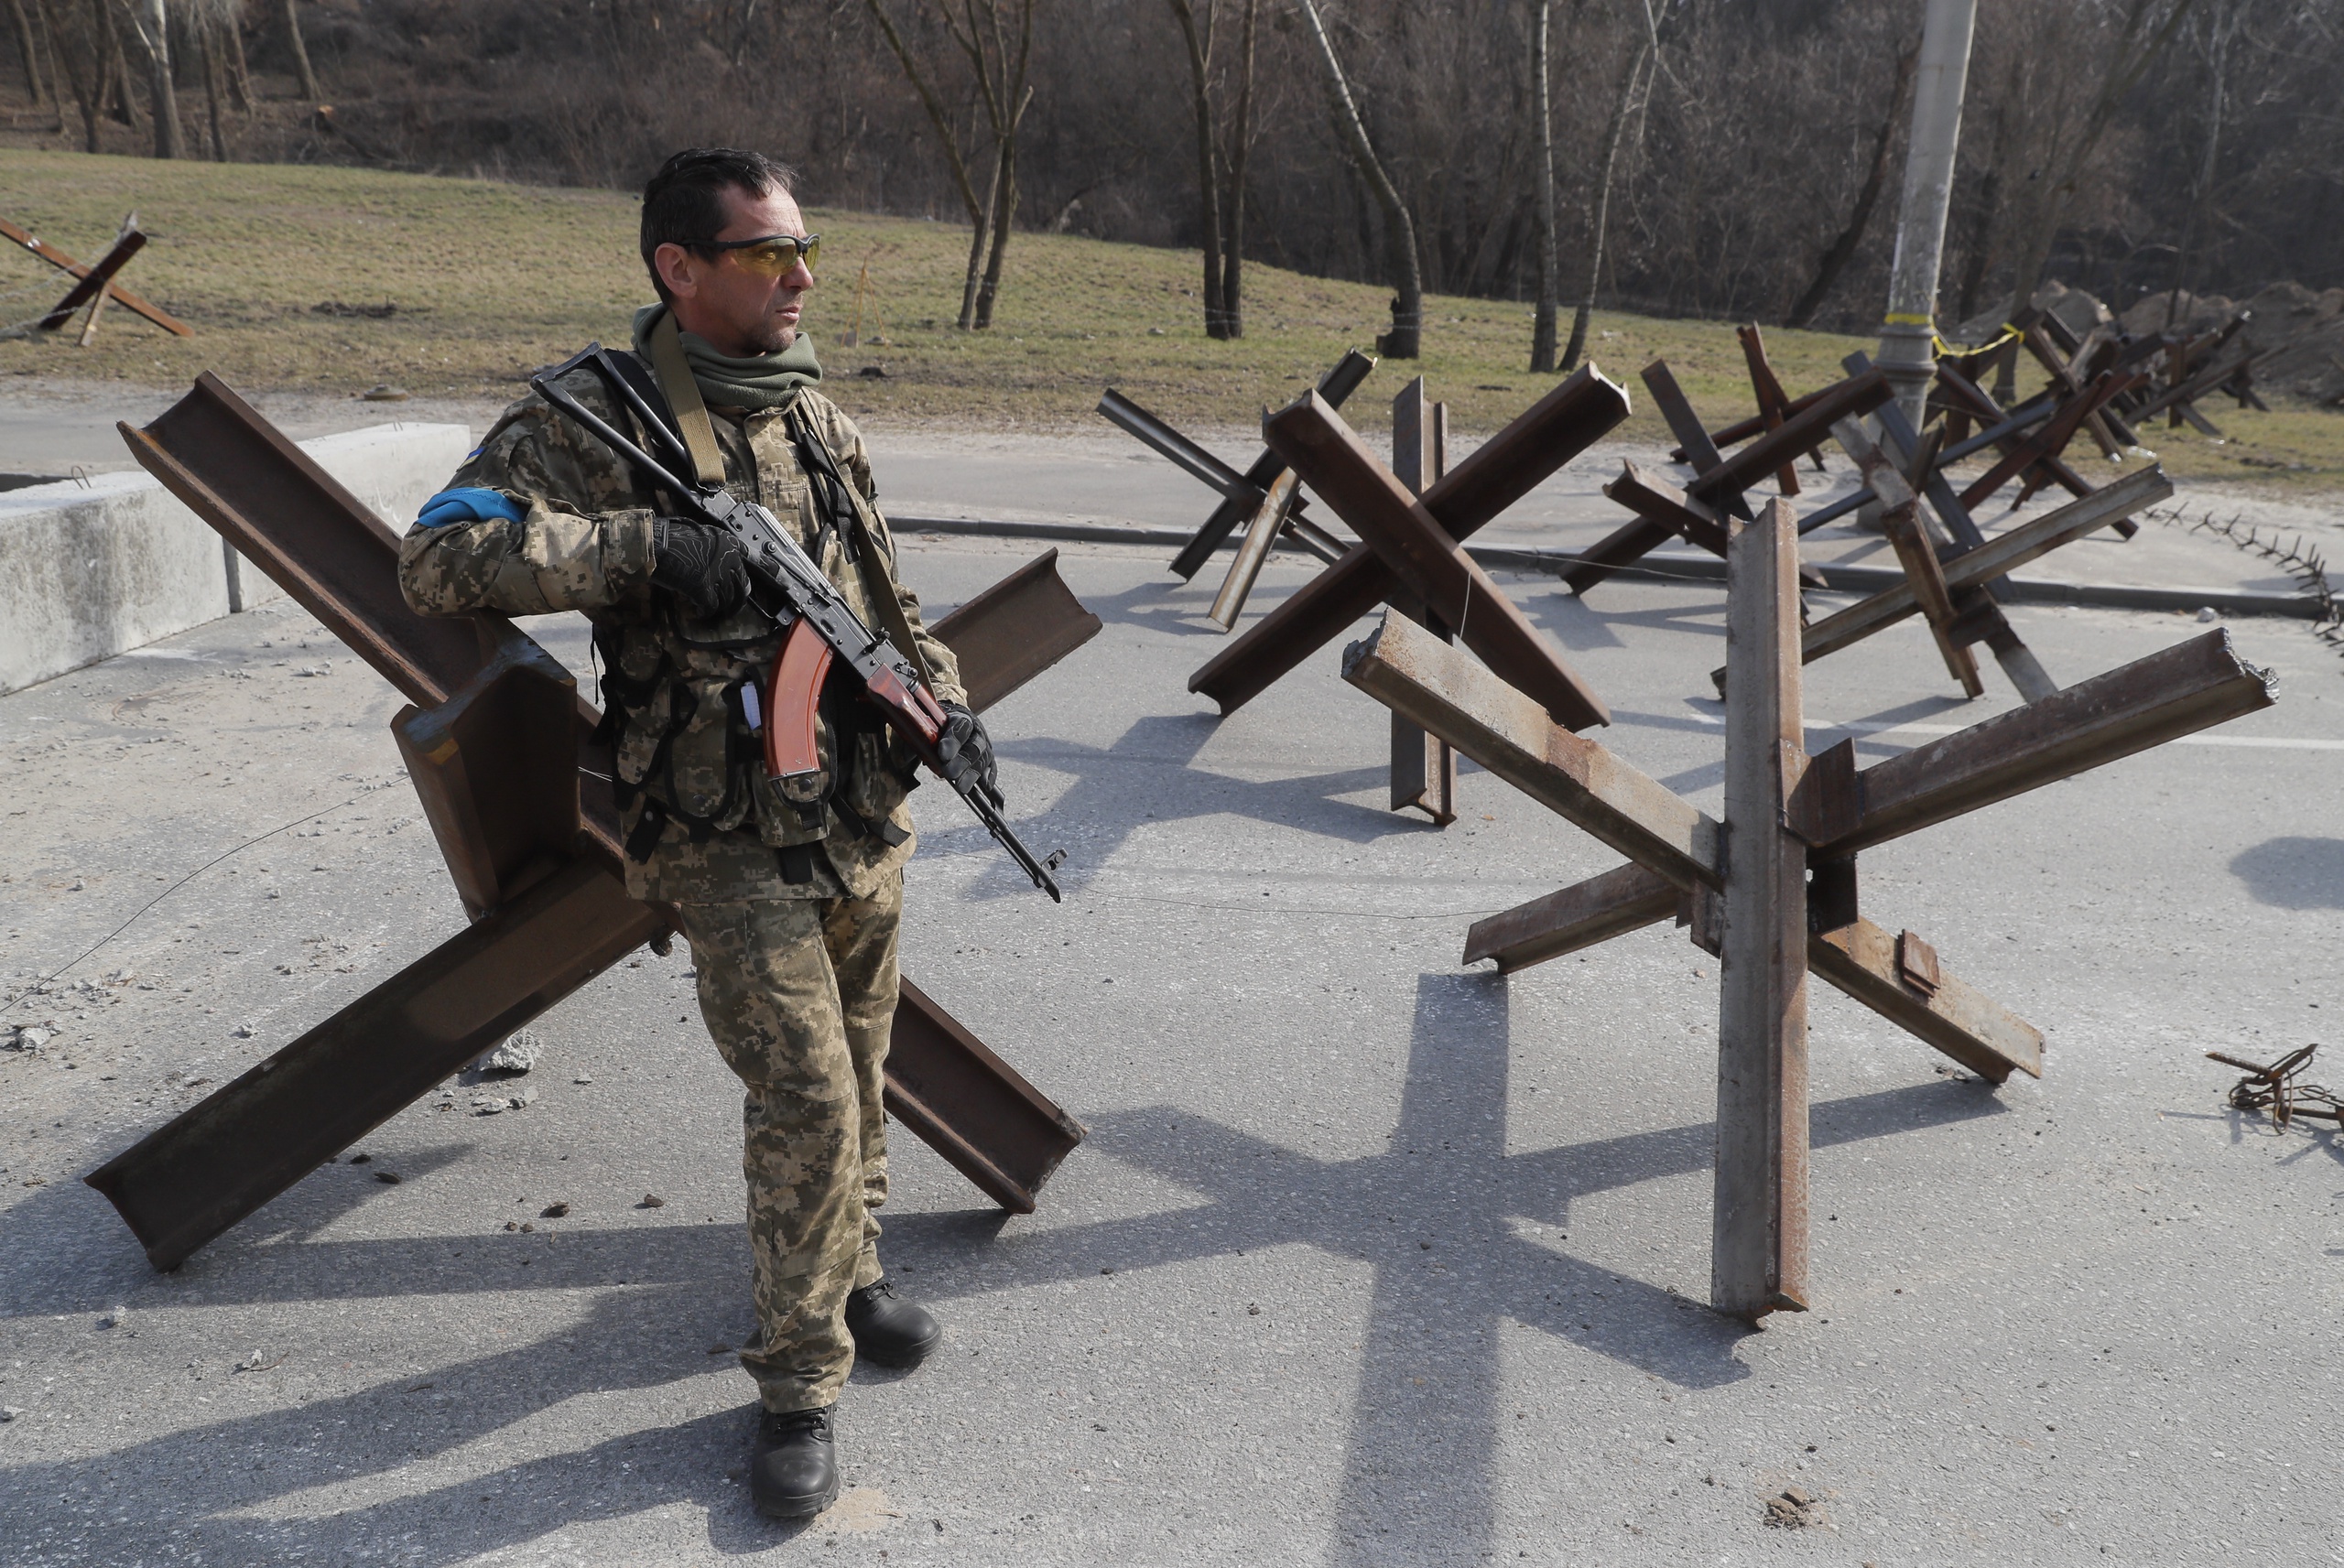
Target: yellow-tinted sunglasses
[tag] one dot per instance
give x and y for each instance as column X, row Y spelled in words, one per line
column 771, row 255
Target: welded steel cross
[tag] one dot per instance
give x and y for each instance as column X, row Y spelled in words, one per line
column 1772, row 890
column 517, row 789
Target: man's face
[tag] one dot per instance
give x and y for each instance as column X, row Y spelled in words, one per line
column 739, row 312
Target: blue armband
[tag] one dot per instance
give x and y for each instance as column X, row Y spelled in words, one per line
column 468, row 505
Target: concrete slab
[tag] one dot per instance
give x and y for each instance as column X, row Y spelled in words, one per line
column 93, row 566
column 1368, row 1260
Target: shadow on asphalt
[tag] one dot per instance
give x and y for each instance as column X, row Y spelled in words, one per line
column 2293, row 873
column 1429, row 1370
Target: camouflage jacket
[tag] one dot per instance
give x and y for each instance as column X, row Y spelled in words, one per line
column 684, row 748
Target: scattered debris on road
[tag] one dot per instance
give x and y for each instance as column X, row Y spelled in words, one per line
column 652, row 1200
column 515, row 1056
column 1794, row 1507
column 2276, row 1089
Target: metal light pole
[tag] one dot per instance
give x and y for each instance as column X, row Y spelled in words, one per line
column 1907, row 333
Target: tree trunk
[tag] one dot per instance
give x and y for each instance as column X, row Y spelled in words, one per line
column 1542, row 320
column 953, row 158
column 113, row 72
column 300, row 54
column 1406, row 338
column 85, row 91
column 1600, row 218
column 1233, row 260
column 1004, row 208
column 1208, row 157
column 206, row 24
column 979, row 233
column 30, row 52
column 162, row 95
column 2218, row 63
column 2128, row 60
column 240, row 75
column 1842, row 250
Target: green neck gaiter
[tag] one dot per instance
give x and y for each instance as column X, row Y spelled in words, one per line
column 761, row 380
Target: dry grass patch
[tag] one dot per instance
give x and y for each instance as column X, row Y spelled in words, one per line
column 486, row 281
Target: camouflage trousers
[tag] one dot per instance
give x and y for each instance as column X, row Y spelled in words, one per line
column 799, row 995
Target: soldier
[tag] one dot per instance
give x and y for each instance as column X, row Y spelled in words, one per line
column 790, row 903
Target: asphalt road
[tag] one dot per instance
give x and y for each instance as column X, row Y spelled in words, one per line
column 1100, row 475
column 1368, row 1260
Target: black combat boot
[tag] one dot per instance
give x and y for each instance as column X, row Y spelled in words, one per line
column 889, row 1331
column 793, row 1464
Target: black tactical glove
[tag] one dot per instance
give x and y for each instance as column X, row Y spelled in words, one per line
column 965, row 748
column 702, row 566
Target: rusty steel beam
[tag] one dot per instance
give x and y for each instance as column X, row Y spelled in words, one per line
column 1626, row 899
column 1014, row 630
column 495, row 767
column 1432, row 568
column 1670, row 843
column 1442, row 689
column 1657, row 502
column 1242, row 493
column 1547, row 434
column 1809, row 427
column 2190, row 687
column 1719, row 480
column 1423, row 775
column 964, row 1102
column 262, row 493
column 2002, row 554
column 1758, row 1247
column 63, row 263
column 1916, row 552
column 1261, row 532
column 198, row 1174
column 94, row 281
column 1955, row 1017
column 317, row 541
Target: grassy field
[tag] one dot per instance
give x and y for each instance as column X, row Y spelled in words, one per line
column 489, row 281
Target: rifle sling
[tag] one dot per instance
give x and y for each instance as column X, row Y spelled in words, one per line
column 684, row 400
column 861, row 542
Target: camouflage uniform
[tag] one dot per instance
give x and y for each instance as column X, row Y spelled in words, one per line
column 791, row 905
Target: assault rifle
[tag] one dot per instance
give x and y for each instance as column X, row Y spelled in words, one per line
column 789, row 591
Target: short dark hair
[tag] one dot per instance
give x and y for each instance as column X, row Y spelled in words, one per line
column 683, row 204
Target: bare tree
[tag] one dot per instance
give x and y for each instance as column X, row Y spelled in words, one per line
column 1200, row 42
column 1842, row 248
column 207, row 25
column 86, row 90
column 1007, row 95
column 1542, row 104
column 1405, row 340
column 2219, row 33
column 308, row 78
column 229, row 14
column 2140, row 36
column 1220, row 168
column 976, row 27
column 1240, row 143
column 150, row 22
column 1634, row 87
column 30, row 52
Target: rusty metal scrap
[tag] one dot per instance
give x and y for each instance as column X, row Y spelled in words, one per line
column 529, row 828
column 2279, row 1090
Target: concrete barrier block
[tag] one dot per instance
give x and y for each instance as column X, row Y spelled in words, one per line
column 87, row 572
